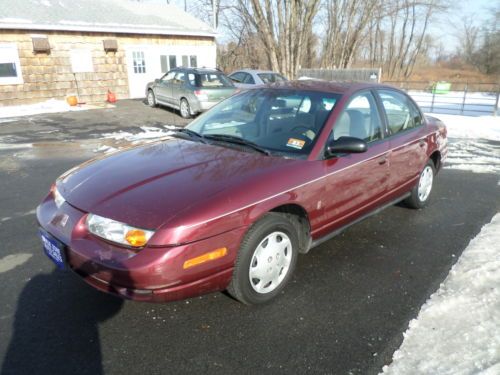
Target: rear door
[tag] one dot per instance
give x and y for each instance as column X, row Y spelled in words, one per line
column 407, row 138
column 356, row 183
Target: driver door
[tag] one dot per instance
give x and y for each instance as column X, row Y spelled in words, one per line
column 356, row 183
column 164, row 88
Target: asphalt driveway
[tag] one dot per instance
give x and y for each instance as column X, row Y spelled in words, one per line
column 344, row 312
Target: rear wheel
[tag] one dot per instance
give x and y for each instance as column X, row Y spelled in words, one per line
column 184, row 109
column 266, row 260
column 421, row 192
column 151, row 98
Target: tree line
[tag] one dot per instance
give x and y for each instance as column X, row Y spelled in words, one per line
column 285, row 35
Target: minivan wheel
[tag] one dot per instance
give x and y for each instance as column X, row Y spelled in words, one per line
column 184, row 109
column 266, row 260
column 151, row 98
column 421, row 192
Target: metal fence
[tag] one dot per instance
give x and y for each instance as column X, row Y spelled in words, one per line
column 470, row 99
column 346, row 75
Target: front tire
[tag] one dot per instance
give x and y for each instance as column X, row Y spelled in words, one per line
column 151, row 99
column 422, row 191
column 266, row 260
column 185, row 110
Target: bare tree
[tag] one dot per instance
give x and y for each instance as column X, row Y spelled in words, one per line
column 283, row 26
column 346, row 24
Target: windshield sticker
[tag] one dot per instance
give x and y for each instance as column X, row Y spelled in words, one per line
column 296, row 143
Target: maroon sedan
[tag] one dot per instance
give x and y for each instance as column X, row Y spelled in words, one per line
column 230, row 201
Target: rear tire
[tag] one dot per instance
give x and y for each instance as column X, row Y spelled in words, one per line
column 185, row 110
column 151, row 99
column 422, row 191
column 266, row 260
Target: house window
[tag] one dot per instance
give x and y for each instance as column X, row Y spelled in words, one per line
column 172, row 60
column 139, row 62
column 10, row 67
column 193, row 61
column 185, row 61
column 164, row 63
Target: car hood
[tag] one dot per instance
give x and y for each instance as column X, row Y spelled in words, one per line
column 148, row 186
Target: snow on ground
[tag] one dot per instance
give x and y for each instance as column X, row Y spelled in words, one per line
column 474, row 143
column 457, row 331
column 10, row 113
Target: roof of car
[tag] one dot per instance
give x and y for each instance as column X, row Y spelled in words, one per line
column 255, row 71
column 199, row 70
column 328, row 86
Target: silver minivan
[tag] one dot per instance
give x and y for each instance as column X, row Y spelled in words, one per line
column 190, row 90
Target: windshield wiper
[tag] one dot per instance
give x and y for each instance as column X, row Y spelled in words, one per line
column 236, row 140
column 190, row 133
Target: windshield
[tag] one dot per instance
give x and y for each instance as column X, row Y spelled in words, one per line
column 285, row 122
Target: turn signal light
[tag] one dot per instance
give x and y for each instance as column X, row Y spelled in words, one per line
column 136, row 237
column 216, row 254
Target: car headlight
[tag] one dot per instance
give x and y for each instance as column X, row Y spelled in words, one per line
column 58, row 198
column 115, row 231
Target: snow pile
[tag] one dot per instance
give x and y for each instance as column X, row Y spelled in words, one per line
column 473, row 143
column 458, row 329
column 467, row 127
column 49, row 106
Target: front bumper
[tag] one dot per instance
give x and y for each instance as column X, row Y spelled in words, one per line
column 154, row 274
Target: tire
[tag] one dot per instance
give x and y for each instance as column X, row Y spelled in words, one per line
column 184, row 108
column 273, row 242
column 151, row 98
column 422, row 191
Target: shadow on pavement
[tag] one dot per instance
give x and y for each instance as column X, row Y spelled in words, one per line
column 56, row 327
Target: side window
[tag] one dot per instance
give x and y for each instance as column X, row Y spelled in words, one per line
column 400, row 115
column 167, row 78
column 249, row 79
column 360, row 119
column 179, row 78
column 237, row 77
column 415, row 114
column 192, row 79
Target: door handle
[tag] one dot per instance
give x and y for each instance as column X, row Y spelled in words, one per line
column 382, row 160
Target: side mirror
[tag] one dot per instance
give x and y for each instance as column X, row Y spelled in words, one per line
column 157, row 80
column 349, row 145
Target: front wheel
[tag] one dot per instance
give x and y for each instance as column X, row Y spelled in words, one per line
column 266, row 260
column 421, row 192
column 151, row 99
column 184, row 109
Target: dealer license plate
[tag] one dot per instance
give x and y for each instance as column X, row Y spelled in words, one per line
column 53, row 248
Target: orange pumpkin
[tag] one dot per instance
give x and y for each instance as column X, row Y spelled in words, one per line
column 72, row 100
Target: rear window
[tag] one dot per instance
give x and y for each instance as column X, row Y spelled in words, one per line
column 271, row 77
column 212, row 80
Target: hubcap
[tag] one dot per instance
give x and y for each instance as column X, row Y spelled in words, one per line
column 184, row 108
column 151, row 99
column 425, row 183
column 270, row 262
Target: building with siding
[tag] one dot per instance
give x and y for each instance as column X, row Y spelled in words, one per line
column 57, row 48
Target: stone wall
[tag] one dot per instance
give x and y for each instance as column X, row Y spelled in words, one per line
column 50, row 75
